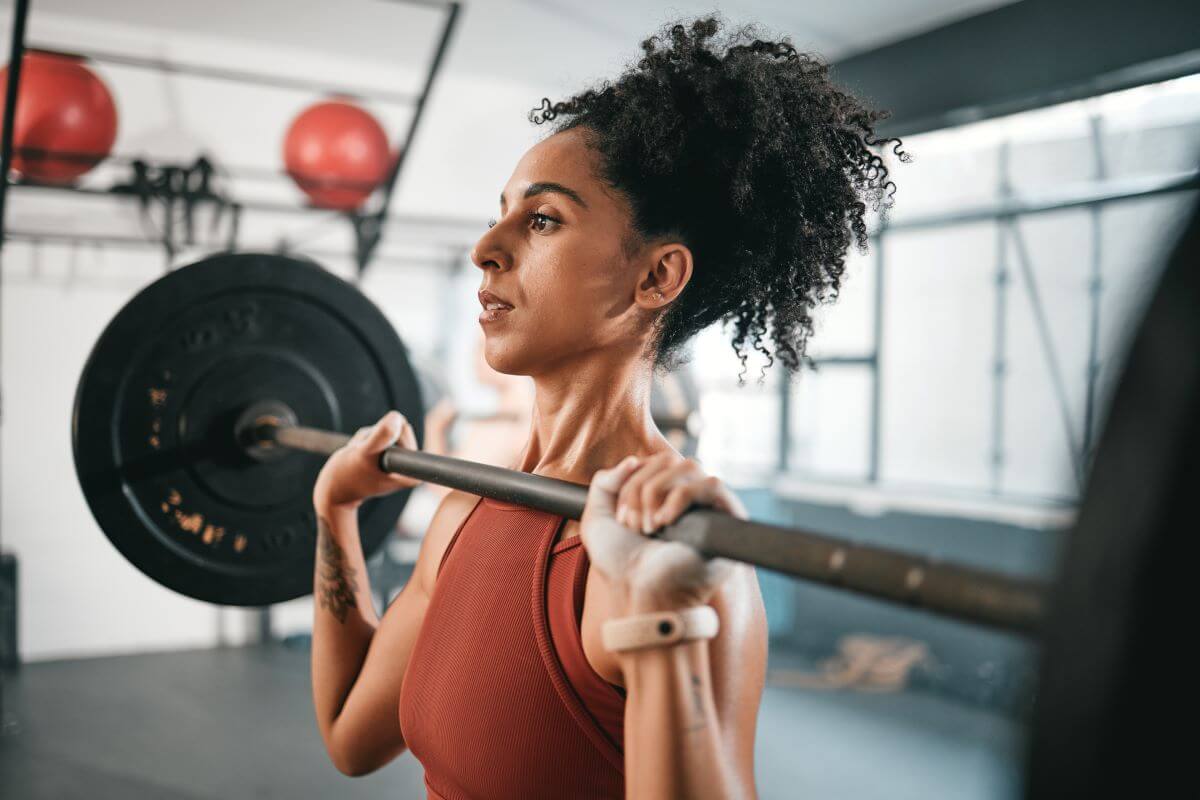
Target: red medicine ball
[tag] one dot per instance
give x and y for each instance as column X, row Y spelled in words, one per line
column 62, row 108
column 337, row 153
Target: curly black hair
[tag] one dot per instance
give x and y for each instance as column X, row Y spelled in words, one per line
column 746, row 151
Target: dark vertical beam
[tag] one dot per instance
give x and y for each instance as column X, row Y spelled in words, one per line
column 16, row 57
column 370, row 227
column 9, row 621
column 266, row 632
column 168, row 231
column 1095, row 295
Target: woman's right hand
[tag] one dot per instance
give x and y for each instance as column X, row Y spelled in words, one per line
column 352, row 473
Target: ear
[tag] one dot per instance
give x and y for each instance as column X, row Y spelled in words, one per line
column 669, row 272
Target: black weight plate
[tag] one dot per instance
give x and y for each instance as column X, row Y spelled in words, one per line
column 158, row 398
column 1115, row 675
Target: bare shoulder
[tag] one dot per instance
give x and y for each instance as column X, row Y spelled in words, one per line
column 739, row 604
column 449, row 517
column 738, row 654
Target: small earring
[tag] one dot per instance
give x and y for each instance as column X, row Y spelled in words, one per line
column 658, row 293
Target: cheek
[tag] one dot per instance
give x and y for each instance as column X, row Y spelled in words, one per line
column 585, row 282
column 574, row 300
column 587, row 315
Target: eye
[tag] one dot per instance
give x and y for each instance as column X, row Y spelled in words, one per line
column 542, row 222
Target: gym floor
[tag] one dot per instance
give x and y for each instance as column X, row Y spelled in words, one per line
column 237, row 723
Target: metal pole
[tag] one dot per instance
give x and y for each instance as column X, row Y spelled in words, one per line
column 970, row 595
column 1110, row 191
column 425, row 222
column 16, row 58
column 435, row 65
column 370, row 228
column 999, row 346
column 876, row 361
column 1042, row 324
column 1095, row 291
column 233, row 75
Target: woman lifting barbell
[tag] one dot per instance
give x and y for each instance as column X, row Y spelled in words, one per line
column 721, row 178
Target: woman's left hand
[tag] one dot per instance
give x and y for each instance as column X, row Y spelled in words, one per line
column 637, row 497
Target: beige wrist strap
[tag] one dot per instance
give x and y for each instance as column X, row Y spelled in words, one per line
column 660, row 629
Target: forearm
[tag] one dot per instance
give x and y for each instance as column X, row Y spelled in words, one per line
column 344, row 618
column 673, row 742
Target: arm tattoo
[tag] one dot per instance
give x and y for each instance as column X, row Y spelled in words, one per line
column 335, row 577
column 698, row 700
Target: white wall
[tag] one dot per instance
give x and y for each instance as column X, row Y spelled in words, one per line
column 78, row 596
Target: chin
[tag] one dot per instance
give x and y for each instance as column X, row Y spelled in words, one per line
column 508, row 358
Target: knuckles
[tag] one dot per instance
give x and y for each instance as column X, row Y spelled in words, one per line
column 659, row 476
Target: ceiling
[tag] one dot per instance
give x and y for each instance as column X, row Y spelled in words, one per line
column 519, row 40
column 504, row 55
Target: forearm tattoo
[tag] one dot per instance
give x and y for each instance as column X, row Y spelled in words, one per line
column 335, row 577
column 698, row 701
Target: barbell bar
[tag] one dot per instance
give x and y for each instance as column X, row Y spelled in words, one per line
column 970, row 595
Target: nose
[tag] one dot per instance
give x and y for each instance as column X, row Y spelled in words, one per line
column 489, row 252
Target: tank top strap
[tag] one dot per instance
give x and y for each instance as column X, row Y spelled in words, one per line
column 454, row 538
column 554, row 666
column 566, row 588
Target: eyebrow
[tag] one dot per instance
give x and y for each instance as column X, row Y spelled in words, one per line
column 549, row 187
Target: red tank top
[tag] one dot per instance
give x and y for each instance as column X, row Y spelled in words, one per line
column 499, row 701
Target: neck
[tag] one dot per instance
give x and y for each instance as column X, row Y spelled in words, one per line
column 590, row 414
column 515, row 396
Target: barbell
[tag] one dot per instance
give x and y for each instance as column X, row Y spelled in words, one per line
column 196, row 399
column 200, row 394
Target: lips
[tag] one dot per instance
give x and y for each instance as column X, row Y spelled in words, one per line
column 494, row 307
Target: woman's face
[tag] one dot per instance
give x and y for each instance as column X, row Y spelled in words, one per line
column 557, row 284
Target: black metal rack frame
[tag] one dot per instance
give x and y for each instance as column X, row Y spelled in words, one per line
column 173, row 184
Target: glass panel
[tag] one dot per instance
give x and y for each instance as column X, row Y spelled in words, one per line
column 938, row 333
column 942, row 405
column 830, row 422
column 847, row 327
column 740, row 422
column 1037, row 448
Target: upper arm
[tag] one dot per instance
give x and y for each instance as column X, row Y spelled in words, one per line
column 738, row 659
column 366, row 733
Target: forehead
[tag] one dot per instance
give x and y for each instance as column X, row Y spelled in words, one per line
column 561, row 158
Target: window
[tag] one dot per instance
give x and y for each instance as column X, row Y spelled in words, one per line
column 973, row 349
